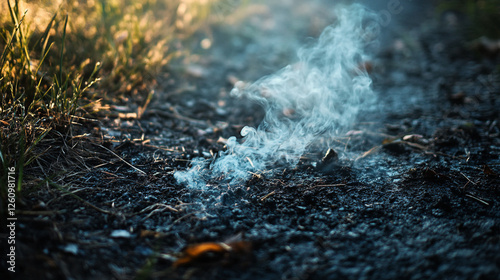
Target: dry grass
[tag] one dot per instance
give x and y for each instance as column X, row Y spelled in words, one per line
column 60, row 60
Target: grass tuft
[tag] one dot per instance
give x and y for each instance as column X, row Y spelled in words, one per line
column 61, row 59
column 35, row 96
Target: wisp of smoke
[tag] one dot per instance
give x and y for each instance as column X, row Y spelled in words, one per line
column 316, row 98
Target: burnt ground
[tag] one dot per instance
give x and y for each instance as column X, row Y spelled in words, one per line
column 414, row 193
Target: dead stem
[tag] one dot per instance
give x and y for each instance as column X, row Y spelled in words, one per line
column 469, row 180
column 126, row 162
column 257, row 175
column 368, row 153
column 160, row 207
column 415, row 145
column 186, row 216
column 268, row 195
column 478, row 199
column 163, row 208
column 333, row 185
column 251, row 163
column 60, row 188
column 112, row 174
column 159, row 148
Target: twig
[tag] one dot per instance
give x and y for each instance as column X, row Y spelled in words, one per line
column 468, row 179
column 112, row 174
column 251, row 163
column 415, row 145
column 185, row 216
column 369, row 152
column 256, row 174
column 157, row 211
column 159, row 148
column 478, row 199
column 126, row 162
column 151, row 207
column 79, row 198
column 268, row 195
column 334, row 185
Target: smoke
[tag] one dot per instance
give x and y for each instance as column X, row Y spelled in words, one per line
column 317, row 98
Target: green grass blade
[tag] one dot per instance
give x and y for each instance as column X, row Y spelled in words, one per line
column 20, row 162
column 38, row 139
column 13, row 11
column 62, row 48
column 2, row 159
column 45, row 35
column 44, row 55
column 14, row 34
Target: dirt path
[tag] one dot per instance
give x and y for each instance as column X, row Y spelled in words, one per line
column 414, row 194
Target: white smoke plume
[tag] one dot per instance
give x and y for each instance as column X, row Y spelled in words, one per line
column 317, row 98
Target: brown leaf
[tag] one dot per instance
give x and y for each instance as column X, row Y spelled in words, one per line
column 213, row 252
column 202, row 252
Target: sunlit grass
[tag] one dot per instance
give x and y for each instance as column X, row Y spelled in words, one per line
column 37, row 94
column 60, row 58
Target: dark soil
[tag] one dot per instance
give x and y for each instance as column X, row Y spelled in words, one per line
column 414, row 194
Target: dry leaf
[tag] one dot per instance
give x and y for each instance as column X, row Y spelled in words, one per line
column 213, row 252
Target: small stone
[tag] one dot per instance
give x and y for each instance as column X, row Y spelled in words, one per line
column 120, row 233
column 71, row 248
